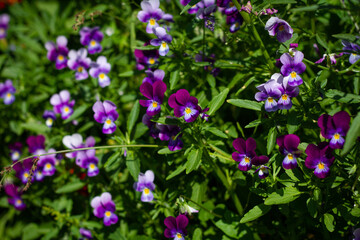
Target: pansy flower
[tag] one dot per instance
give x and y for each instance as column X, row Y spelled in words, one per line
column 319, row 158
column 292, row 68
column 235, row 21
column 146, row 58
column 47, row 163
column 87, row 160
column 154, row 132
column 85, row 233
column 206, row 7
column 79, row 62
column 228, row 7
column 354, row 51
column 153, row 76
column 76, row 141
column 62, row 104
column 99, row 70
column 280, row 28
column 7, row 91
column 269, row 92
column 288, row 146
column 104, row 207
column 262, row 171
column 15, row 151
column 193, row 9
column 145, row 184
column 170, row 133
column 105, row 112
column 287, row 92
column 150, row 14
column 22, row 170
column 4, row 24
column 163, row 40
column 49, row 117
column 91, row 37
column 155, row 94
column 176, row 227
column 184, row 105
column 246, row 155
column 58, row 52
column 335, row 128
column 356, row 234
column 14, row 196
column 331, row 56
column 36, row 143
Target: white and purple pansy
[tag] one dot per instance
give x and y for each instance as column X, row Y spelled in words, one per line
column 91, row 37
column 22, row 170
column 150, row 14
column 99, row 70
column 155, row 94
column 104, row 208
column 7, row 92
column 87, row 160
column 105, row 112
column 58, row 52
column 4, row 24
column 184, row 105
column 76, row 141
column 153, row 76
column 79, row 62
column 62, row 104
column 288, row 146
column 49, row 117
column 280, row 28
column 292, row 68
column 163, row 40
column 319, row 158
column 47, row 163
column 15, row 151
column 145, row 184
column 14, row 194
column 269, row 92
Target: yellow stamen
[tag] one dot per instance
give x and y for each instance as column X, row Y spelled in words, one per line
column 178, row 235
column 270, row 99
column 26, row 175
column 154, row 104
column 93, row 42
column 152, row 21
column 354, row 54
column 108, row 121
column 18, row 202
column 80, row 69
column 49, row 121
column 48, row 166
column 92, row 166
column 336, row 136
column 321, row 166
column 66, row 109
column 8, row 95
column 281, row 28
column 284, row 97
column 60, row 57
column 290, row 156
column 247, row 159
column 151, row 61
column 108, row 213
column 293, row 74
column 187, row 110
column 163, row 44
column 146, row 191
column 102, row 76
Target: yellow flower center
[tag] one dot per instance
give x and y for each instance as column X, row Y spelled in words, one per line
column 284, row 97
column 108, row 213
column 48, row 166
column 80, row 69
column 336, row 136
column 60, row 57
column 151, row 61
column 49, row 121
column 101, row 76
column 163, row 44
column 354, row 54
column 187, row 110
column 16, row 154
column 26, row 175
column 270, row 99
column 293, row 74
column 281, row 28
column 18, row 202
column 321, row 166
column 66, row 109
column 290, row 156
column 93, row 42
column 247, row 159
column 146, row 191
column 92, row 166
column 108, row 121
column 152, row 21
column 178, row 235
column 154, row 104
column 8, row 95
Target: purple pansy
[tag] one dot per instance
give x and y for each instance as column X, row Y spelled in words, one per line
column 193, row 9
column 49, row 117
column 146, row 58
column 99, row 70
column 4, row 24
column 319, row 158
column 263, row 171
column 7, row 91
column 163, row 40
column 62, row 104
column 176, row 227
column 287, row 92
column 79, row 62
column 91, row 37
column 150, row 14
column 15, row 151
column 335, row 128
column 280, row 28
column 153, row 76
column 203, row 114
column 105, row 112
column 58, row 52
column 145, row 184
column 154, row 132
column 36, row 143
column 104, row 207
column 235, row 20
column 354, row 51
column 228, row 7
column 292, row 68
column 22, row 170
column 170, row 133
column 155, row 94
column 206, row 7
column 14, row 196
column 76, row 141
column 46, row 164
column 87, row 160
column 184, row 105
column 246, row 155
column 269, row 92
column 356, row 234
column 288, row 146
column 331, row 56
column 85, row 233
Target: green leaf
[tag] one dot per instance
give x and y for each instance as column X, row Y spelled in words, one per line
column 271, row 140
column 35, row 127
column 355, row 212
column 126, row 74
column 280, row 1
column 190, row 4
column 352, row 135
column 133, row 164
column 254, row 123
column 293, row 122
column 306, row 9
column 349, row 37
column 167, row 151
column 111, row 159
column 174, row 78
column 217, row 101
column 77, row 113
column 148, row 47
column 321, row 41
column 197, row 235
column 134, row 114
column 312, row 207
column 329, row 222
column 255, row 213
column 342, row 97
column 176, row 172
column 282, row 196
column 70, row 187
column 211, row 80
column 193, row 160
column 252, row 105
column 217, row 132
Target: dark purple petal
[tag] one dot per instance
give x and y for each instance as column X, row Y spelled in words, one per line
column 147, row 90
column 170, row 222
column 259, row 160
column 240, row 145
column 250, row 146
column 182, row 96
column 291, row 142
column 181, row 222
column 172, row 101
column 159, row 89
column 342, row 120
